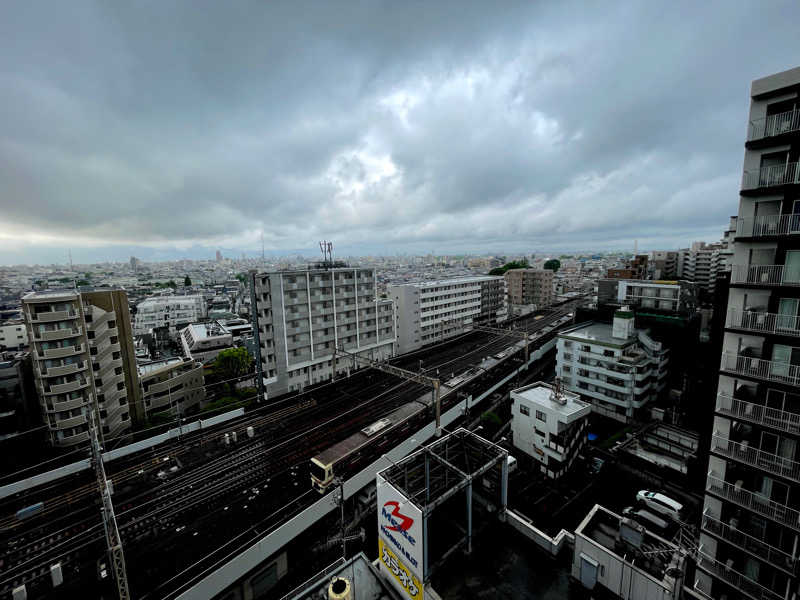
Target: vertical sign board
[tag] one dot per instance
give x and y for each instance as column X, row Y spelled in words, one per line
column 400, row 544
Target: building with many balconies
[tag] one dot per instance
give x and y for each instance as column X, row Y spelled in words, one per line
column 750, row 528
column 83, row 357
column 616, row 367
column 530, row 286
column 169, row 312
column 172, row 387
column 433, row 311
column 303, row 315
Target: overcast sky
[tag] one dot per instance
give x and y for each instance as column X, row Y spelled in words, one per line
column 169, row 129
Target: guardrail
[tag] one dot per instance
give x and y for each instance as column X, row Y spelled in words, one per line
column 773, row 125
column 771, row 176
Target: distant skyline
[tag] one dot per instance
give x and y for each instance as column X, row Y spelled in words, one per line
column 169, row 130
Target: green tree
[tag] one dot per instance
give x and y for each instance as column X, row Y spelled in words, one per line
column 514, row 264
column 232, row 363
column 171, row 283
column 187, row 282
column 553, row 264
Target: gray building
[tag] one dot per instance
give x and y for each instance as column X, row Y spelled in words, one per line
column 750, row 526
column 671, row 296
column 433, row 311
column 172, row 387
column 530, row 286
column 304, row 315
column 83, row 357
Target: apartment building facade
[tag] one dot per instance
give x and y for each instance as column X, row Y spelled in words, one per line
column 663, row 264
column 530, row 286
column 170, row 312
column 433, row 311
column 174, row 387
column 750, row 527
column 83, row 357
column 615, row 367
column 13, row 335
column 303, row 315
column 671, row 296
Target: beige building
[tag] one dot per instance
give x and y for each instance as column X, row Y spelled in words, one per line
column 82, row 349
column 174, row 386
column 304, row 315
column 530, row 286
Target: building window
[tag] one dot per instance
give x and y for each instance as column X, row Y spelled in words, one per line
column 541, row 416
column 524, row 410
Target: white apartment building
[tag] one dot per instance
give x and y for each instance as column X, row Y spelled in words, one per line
column 549, row 426
column 174, row 386
column 83, row 358
column 673, row 296
column 303, row 315
column 616, row 367
column 750, row 527
column 702, row 263
column 172, row 312
column 432, row 311
column 13, row 335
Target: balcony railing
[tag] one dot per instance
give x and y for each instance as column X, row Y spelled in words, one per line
column 768, row 225
column 765, row 275
column 773, row 125
column 771, row 176
column 734, row 578
column 779, row 372
column 764, row 322
column 750, row 543
column 766, row 461
column 758, row 413
column 755, row 502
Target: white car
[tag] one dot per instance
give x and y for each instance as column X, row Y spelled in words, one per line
column 661, row 504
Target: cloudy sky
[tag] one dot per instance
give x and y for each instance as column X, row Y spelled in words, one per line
column 170, row 129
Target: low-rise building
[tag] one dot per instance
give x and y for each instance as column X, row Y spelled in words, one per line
column 548, row 424
column 433, row 311
column 170, row 312
column 173, row 386
column 13, row 335
column 530, row 286
column 671, row 296
column 626, row 559
column 616, row 367
column 204, row 341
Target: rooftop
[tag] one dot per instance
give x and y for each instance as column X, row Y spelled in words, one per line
column 153, row 367
column 202, row 331
column 542, row 394
column 599, row 333
column 453, row 281
column 50, row 294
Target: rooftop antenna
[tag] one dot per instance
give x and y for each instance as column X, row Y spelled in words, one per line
column 558, row 394
column 326, row 248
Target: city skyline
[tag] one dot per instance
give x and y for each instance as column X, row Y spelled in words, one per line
column 130, row 131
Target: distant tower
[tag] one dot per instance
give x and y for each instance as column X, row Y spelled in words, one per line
column 219, row 256
column 262, row 246
column 70, row 260
column 635, row 247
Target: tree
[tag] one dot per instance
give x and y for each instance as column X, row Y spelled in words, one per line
column 187, row 282
column 232, row 363
column 171, row 283
column 514, row 264
column 553, row 264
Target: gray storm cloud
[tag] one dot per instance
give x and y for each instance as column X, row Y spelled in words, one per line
column 391, row 125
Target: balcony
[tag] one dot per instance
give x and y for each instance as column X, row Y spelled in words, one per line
column 774, row 125
column 768, row 226
column 63, row 388
column 71, row 440
column 765, row 461
column 734, row 578
column 759, row 368
column 756, row 546
column 60, row 352
column 773, row 176
column 757, row 503
column 55, row 315
column 764, row 275
column 67, row 405
column 57, row 334
column 758, row 413
column 763, row 322
column 65, row 370
column 70, row 422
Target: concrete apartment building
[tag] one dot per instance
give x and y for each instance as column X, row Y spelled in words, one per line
column 703, row 262
column 303, row 315
column 663, row 264
column 172, row 312
column 173, row 386
column 82, row 348
column 13, row 335
column 549, row 426
column 432, row 311
column 672, row 296
column 530, row 286
column 616, row 367
column 750, row 528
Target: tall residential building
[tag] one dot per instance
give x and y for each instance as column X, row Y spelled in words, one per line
column 530, row 286
column 171, row 312
column 616, row 367
column 664, row 264
column 82, row 348
column 304, row 315
column 703, row 262
column 432, row 311
column 750, row 527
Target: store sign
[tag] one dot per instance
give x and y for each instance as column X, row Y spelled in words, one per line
column 400, row 544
